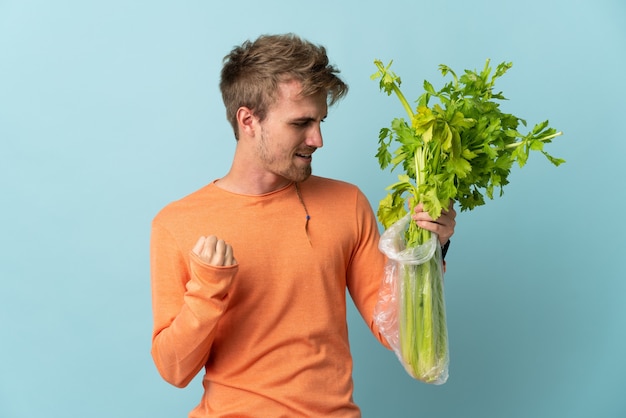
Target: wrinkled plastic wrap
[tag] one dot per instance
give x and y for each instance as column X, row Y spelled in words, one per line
column 410, row 312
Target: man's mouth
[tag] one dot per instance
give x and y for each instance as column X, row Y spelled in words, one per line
column 307, row 156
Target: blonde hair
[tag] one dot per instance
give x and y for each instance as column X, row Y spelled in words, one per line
column 252, row 72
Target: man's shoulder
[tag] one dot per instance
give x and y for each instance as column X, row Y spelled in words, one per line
column 186, row 204
column 333, row 191
column 330, row 184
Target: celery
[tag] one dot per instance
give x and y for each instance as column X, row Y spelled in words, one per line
column 455, row 150
column 423, row 334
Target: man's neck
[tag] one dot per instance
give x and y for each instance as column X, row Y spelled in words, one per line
column 251, row 184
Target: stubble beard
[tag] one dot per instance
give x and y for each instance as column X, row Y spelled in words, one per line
column 291, row 172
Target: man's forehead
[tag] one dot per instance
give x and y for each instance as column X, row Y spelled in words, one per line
column 289, row 97
column 290, row 89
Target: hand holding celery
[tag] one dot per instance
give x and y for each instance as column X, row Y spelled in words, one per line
column 459, row 149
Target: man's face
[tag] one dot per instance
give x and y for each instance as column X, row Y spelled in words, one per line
column 291, row 133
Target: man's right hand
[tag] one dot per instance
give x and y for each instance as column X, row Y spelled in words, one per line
column 214, row 251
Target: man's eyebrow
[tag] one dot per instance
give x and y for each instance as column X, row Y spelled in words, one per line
column 307, row 119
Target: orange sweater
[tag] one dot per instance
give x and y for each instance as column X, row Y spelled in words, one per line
column 271, row 331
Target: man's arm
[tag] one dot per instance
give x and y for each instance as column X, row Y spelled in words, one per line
column 366, row 277
column 190, row 294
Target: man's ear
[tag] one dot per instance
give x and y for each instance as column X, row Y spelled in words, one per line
column 247, row 121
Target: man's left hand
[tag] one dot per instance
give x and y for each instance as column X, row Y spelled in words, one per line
column 442, row 226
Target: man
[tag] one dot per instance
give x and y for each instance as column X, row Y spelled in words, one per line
column 249, row 273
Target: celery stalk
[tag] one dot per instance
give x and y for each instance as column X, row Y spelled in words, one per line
column 422, row 329
column 422, row 324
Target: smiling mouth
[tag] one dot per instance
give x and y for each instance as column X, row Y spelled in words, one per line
column 308, row 157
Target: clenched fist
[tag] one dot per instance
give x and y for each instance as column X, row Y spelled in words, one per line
column 214, row 251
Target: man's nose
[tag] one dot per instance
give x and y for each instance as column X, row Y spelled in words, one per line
column 314, row 139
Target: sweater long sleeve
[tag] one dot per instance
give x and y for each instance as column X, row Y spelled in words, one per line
column 187, row 309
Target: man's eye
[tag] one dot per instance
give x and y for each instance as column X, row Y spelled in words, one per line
column 304, row 123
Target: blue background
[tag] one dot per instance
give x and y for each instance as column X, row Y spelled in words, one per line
column 109, row 110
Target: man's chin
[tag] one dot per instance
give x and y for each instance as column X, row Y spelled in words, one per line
column 301, row 175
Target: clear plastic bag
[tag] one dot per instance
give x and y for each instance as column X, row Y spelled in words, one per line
column 411, row 313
